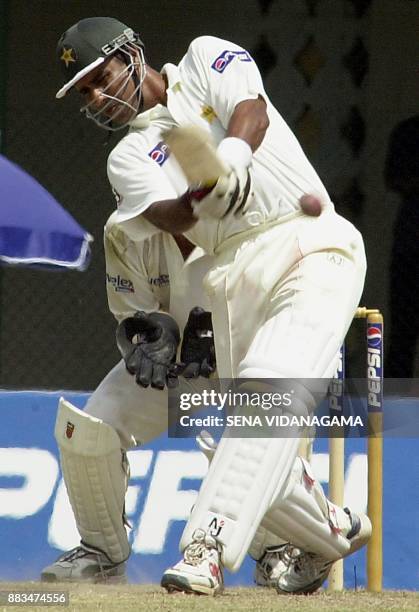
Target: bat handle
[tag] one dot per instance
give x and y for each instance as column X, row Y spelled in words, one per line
column 198, row 193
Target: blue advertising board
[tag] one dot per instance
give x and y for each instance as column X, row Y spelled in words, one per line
column 36, row 523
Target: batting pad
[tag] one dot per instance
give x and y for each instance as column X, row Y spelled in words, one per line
column 304, row 516
column 95, row 472
column 243, row 478
column 262, row 540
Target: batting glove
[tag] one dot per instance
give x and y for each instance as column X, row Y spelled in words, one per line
column 148, row 345
column 233, row 193
column 230, row 195
column 198, row 351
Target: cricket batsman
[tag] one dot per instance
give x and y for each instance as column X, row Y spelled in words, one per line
column 282, row 288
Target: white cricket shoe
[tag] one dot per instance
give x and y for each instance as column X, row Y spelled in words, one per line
column 200, row 571
column 291, row 570
column 84, row 564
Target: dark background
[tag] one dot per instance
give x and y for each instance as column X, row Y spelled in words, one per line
column 342, row 73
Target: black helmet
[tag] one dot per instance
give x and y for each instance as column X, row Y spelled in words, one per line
column 87, row 44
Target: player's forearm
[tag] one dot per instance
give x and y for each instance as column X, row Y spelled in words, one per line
column 173, row 216
column 249, row 122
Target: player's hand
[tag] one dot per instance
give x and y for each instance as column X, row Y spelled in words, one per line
column 232, row 194
column 198, row 350
column 148, row 345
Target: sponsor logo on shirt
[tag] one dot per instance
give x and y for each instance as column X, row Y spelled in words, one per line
column 159, row 281
column 121, row 285
column 160, row 153
column 223, row 60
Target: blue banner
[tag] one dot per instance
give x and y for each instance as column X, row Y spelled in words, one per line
column 36, row 523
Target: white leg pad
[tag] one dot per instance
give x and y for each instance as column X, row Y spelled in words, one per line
column 262, row 540
column 243, row 478
column 305, row 517
column 95, row 472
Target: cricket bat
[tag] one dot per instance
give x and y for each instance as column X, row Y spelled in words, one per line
column 195, row 152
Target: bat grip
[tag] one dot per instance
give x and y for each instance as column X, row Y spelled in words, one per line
column 199, row 193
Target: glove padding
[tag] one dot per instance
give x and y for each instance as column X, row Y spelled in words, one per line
column 148, row 345
column 232, row 194
column 198, row 350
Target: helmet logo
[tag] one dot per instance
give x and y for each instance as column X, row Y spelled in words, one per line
column 67, row 56
column 127, row 36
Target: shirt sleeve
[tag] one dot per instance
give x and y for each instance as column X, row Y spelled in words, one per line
column 225, row 72
column 127, row 285
column 137, row 182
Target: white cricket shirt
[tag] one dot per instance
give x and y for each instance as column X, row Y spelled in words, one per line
column 212, row 78
column 151, row 275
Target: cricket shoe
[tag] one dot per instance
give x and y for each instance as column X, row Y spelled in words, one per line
column 274, row 562
column 200, row 571
column 291, row 570
column 84, row 564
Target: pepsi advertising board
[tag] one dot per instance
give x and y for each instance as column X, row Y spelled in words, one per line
column 37, row 525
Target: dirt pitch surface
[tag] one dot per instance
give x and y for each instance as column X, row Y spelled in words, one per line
column 152, row 598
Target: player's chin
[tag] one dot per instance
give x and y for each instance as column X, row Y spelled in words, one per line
column 120, row 115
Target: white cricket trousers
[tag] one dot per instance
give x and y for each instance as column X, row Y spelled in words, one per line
column 282, row 300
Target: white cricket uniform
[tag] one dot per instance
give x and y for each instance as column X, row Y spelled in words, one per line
column 149, row 275
column 284, row 286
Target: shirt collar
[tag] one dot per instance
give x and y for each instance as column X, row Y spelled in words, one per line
column 173, row 77
column 143, row 120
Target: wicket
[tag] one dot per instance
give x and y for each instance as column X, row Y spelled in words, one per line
column 374, row 374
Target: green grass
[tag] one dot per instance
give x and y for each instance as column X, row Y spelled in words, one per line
column 86, row 598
